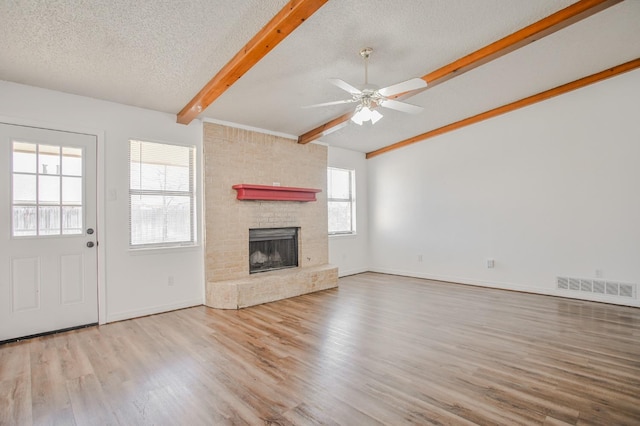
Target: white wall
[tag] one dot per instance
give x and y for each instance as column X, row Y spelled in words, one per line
column 549, row 190
column 132, row 284
column 351, row 252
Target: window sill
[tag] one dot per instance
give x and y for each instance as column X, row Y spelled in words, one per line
column 343, row 235
column 144, row 251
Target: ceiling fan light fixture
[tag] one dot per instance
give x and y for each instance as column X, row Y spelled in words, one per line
column 364, row 113
column 375, row 116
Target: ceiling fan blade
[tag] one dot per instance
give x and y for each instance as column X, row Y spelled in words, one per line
column 405, row 86
column 344, row 101
column 401, row 106
column 345, row 86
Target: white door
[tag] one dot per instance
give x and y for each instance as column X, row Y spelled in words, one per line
column 48, row 235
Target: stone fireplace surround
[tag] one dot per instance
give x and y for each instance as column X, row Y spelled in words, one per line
column 235, row 156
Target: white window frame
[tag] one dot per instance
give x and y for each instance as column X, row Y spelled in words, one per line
column 351, row 200
column 191, row 193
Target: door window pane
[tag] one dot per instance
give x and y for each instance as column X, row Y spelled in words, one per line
column 24, row 157
column 49, row 160
column 24, row 221
column 24, row 189
column 71, row 161
column 49, row 220
column 72, row 190
column 71, row 220
column 49, row 189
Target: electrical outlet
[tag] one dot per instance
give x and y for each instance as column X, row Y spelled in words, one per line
column 170, row 281
column 419, row 258
column 491, row 263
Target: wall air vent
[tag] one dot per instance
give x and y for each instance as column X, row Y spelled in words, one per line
column 563, row 283
column 626, row 290
column 574, row 284
column 599, row 286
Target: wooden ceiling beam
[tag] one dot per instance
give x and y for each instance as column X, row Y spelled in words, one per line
column 577, row 84
column 552, row 23
column 280, row 26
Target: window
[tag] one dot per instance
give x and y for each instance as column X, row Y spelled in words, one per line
column 341, row 188
column 161, row 195
column 46, row 190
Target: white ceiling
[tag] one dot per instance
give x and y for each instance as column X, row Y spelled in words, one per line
column 159, row 54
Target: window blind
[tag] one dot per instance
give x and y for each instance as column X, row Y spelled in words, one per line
column 161, row 194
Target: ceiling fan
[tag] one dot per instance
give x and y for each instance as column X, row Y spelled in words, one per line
column 370, row 97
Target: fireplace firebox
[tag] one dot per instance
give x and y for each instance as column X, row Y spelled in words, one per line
column 272, row 248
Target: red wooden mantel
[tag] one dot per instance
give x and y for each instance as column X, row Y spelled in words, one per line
column 274, row 193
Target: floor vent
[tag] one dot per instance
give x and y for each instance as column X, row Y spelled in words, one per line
column 598, row 286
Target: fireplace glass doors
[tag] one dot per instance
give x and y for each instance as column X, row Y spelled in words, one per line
column 272, row 248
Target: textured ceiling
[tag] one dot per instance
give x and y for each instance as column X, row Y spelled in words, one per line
column 159, row 54
column 154, row 54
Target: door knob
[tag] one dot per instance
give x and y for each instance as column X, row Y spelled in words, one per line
column 90, row 231
column 90, row 244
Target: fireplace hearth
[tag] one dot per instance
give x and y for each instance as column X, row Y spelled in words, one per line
column 272, row 248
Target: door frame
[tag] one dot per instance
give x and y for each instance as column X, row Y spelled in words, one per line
column 100, row 195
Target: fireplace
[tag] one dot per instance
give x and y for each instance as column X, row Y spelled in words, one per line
column 272, row 248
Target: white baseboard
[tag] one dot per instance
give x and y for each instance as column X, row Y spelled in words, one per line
column 347, row 272
column 125, row 315
column 512, row 286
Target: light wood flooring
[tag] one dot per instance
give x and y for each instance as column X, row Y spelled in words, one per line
column 380, row 349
